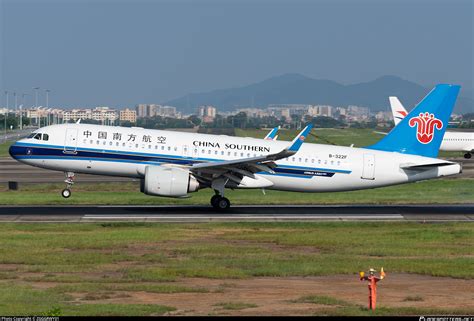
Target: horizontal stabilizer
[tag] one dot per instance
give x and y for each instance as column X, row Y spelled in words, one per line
column 425, row 165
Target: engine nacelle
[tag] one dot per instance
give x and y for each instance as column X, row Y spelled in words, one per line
column 168, row 181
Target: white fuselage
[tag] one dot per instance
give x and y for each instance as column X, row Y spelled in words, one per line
column 122, row 151
column 458, row 141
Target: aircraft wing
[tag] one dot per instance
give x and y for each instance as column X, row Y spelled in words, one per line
column 238, row 168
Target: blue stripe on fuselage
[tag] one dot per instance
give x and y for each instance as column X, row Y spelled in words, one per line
column 39, row 151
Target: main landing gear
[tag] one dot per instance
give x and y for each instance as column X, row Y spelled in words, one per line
column 219, row 202
column 66, row 193
column 467, row 155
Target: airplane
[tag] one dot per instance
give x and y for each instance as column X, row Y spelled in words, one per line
column 174, row 164
column 452, row 141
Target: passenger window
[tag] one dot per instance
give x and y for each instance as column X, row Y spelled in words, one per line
column 45, row 137
column 169, row 147
column 176, row 149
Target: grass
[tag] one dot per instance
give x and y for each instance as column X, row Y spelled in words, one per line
column 413, row 298
column 235, row 305
column 4, row 149
column 87, row 265
column 336, row 307
column 127, row 193
column 321, row 299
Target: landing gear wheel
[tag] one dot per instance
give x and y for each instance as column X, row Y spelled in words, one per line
column 214, row 200
column 66, row 193
column 467, row 155
column 222, row 203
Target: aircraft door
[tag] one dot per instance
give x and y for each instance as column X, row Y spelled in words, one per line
column 70, row 144
column 368, row 171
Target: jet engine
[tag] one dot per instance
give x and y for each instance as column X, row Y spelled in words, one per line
column 168, row 181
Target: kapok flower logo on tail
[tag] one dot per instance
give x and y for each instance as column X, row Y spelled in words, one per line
column 426, row 124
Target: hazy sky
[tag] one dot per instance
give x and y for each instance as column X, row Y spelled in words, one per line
column 120, row 53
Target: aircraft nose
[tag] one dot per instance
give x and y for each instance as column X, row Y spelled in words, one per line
column 14, row 150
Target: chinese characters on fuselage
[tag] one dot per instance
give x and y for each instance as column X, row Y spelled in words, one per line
column 127, row 137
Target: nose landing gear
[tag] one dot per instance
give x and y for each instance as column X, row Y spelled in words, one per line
column 66, row 193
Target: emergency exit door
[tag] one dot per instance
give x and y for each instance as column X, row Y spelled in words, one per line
column 70, row 144
column 368, row 171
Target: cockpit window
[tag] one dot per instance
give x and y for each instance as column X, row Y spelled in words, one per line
column 37, row 136
column 31, row 135
column 45, row 136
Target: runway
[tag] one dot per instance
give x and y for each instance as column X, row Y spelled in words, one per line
column 266, row 213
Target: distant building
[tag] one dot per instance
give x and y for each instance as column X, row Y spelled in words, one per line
column 101, row 114
column 207, row 113
column 357, row 113
column 128, row 115
column 75, row 114
column 142, row 110
column 320, row 110
column 104, row 114
column 168, row 111
column 384, row 116
column 152, row 110
column 253, row 112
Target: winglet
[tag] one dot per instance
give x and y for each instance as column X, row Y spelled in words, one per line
column 299, row 139
column 272, row 135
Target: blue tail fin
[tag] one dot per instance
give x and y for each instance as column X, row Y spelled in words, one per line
column 422, row 130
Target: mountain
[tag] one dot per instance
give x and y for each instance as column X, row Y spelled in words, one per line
column 299, row 89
